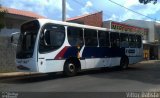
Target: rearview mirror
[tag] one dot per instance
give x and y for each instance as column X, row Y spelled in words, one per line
column 14, row 39
column 47, row 37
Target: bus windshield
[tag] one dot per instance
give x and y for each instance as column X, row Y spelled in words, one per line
column 27, row 39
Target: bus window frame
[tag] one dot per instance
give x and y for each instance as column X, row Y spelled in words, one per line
column 90, row 37
column 127, row 35
column 42, row 32
column 82, row 31
column 117, row 45
column 140, row 41
column 134, row 43
column 99, row 31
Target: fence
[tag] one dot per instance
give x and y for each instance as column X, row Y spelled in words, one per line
column 7, row 55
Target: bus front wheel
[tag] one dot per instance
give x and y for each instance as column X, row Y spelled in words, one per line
column 70, row 69
column 124, row 63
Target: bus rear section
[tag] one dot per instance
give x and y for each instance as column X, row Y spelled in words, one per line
column 135, row 49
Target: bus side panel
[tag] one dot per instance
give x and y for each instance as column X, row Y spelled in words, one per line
column 54, row 65
column 115, row 61
column 101, row 62
column 96, row 62
column 92, row 57
column 133, row 60
column 51, row 61
column 83, row 64
column 102, row 56
column 42, row 65
column 90, row 63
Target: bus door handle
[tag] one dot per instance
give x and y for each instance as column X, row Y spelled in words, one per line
column 40, row 58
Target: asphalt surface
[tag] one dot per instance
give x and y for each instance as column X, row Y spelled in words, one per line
column 138, row 77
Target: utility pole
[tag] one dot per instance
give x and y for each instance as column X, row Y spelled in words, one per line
column 63, row 10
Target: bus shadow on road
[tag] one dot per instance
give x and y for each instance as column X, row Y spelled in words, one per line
column 106, row 72
column 146, row 74
column 54, row 76
column 32, row 78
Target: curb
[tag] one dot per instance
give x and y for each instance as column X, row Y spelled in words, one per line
column 150, row 61
column 15, row 74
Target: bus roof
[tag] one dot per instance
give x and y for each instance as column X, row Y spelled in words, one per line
column 44, row 21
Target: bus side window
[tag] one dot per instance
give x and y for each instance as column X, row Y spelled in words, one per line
column 114, row 39
column 139, row 41
column 124, row 40
column 90, row 37
column 75, row 36
column 132, row 41
column 103, row 38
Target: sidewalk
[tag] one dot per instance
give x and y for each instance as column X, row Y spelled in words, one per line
column 15, row 74
column 150, row 61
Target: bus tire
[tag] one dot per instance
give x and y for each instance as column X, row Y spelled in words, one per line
column 70, row 68
column 124, row 63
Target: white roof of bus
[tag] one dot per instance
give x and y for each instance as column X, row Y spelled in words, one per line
column 43, row 21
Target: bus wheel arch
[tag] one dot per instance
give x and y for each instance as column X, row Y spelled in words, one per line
column 124, row 62
column 71, row 66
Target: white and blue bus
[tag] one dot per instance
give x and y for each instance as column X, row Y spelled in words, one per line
column 53, row 46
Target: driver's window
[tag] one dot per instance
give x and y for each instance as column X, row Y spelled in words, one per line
column 52, row 37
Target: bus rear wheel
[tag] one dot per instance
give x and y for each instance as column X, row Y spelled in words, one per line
column 70, row 69
column 124, row 63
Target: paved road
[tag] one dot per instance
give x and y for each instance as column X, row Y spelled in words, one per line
column 139, row 77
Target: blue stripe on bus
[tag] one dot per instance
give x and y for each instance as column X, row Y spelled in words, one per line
column 101, row 52
column 95, row 52
column 71, row 52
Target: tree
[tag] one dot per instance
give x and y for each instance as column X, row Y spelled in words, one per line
column 148, row 1
column 2, row 14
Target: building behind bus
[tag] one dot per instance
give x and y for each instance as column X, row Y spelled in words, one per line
column 149, row 29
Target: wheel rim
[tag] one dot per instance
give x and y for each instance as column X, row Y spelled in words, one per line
column 71, row 67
